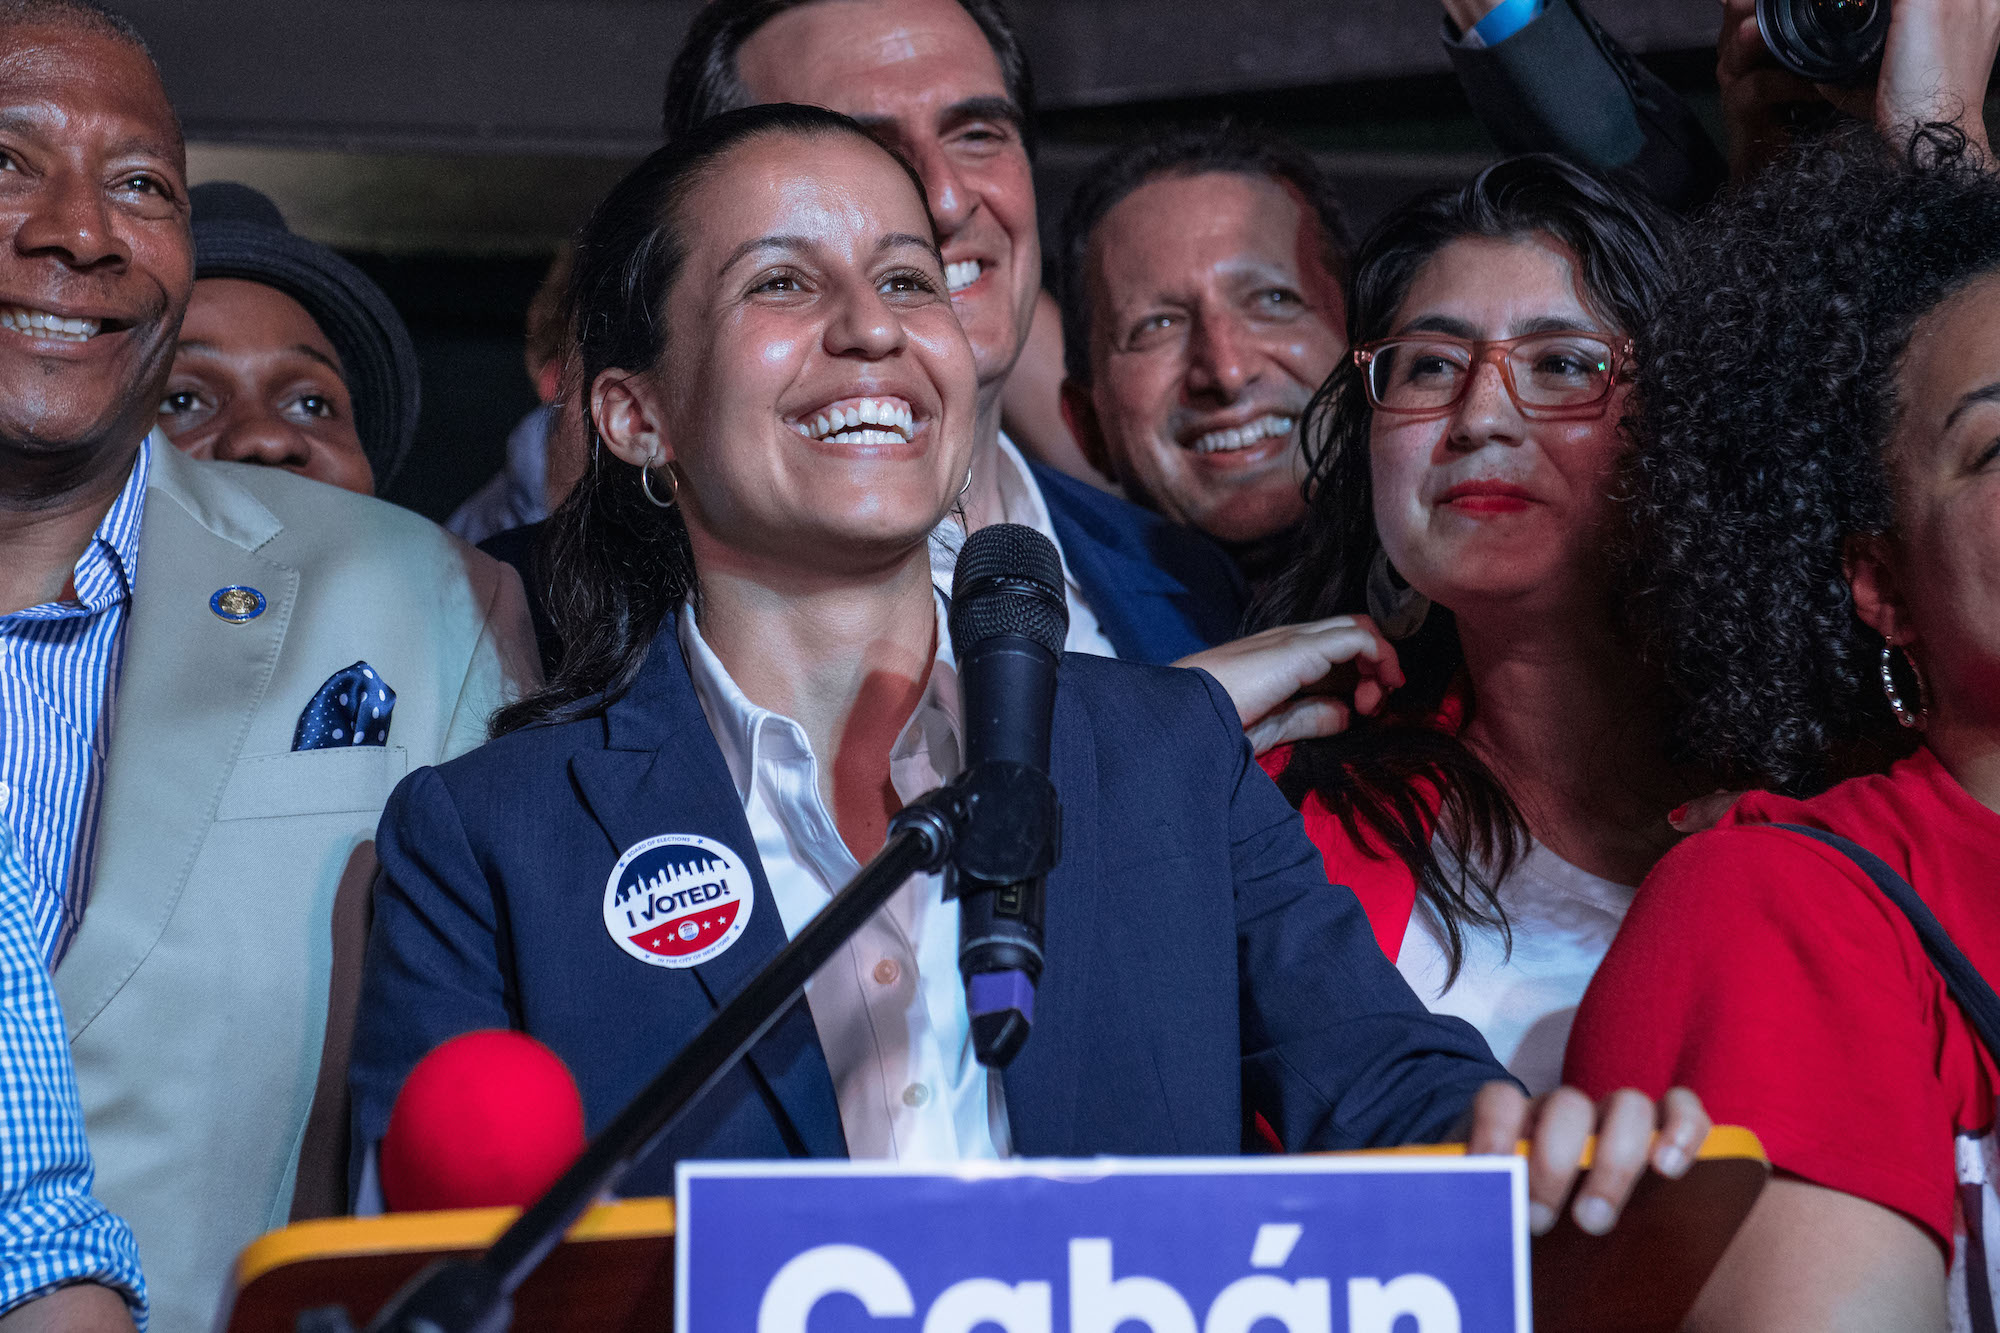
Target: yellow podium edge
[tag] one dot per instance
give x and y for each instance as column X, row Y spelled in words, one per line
column 457, row 1229
column 1724, row 1142
column 476, row 1228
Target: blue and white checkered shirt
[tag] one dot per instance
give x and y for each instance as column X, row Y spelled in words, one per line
column 52, row 1232
column 59, row 667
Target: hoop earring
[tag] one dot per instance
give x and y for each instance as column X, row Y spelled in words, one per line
column 959, row 503
column 1397, row 609
column 1904, row 717
column 673, row 486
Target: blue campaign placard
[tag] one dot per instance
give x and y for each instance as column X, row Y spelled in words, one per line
column 1392, row 1244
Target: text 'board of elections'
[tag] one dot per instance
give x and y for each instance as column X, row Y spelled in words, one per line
column 1279, row 1245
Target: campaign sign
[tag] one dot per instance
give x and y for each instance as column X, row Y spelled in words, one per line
column 1259, row 1245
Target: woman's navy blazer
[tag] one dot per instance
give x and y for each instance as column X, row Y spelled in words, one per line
column 1199, row 965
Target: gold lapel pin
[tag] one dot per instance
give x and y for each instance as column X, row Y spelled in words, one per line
column 237, row 604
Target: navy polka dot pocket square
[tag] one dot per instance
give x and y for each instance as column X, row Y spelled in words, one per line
column 352, row 708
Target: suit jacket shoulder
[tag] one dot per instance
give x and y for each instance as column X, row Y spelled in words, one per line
column 208, row 987
column 341, row 534
column 1159, row 589
column 370, row 577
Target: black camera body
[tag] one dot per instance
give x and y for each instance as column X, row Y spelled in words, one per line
column 1827, row 41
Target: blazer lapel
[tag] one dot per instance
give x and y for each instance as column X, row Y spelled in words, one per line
column 1041, row 1083
column 188, row 688
column 661, row 772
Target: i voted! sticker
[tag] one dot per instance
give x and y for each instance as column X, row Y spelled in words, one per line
column 677, row 900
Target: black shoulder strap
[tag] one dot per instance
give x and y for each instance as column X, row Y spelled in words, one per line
column 1961, row 978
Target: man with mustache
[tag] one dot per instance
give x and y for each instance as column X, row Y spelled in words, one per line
column 1201, row 276
column 211, row 676
column 945, row 83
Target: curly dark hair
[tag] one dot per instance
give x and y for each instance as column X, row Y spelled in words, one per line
column 1766, row 399
column 1384, row 777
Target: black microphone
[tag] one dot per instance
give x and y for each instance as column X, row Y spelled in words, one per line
column 1008, row 621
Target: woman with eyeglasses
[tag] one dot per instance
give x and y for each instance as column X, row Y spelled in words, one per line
column 1495, row 812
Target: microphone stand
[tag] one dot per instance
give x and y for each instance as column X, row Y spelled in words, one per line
column 997, row 823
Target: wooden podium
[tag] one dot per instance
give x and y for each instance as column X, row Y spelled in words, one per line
column 616, row 1271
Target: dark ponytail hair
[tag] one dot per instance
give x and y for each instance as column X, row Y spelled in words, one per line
column 615, row 564
column 1383, row 776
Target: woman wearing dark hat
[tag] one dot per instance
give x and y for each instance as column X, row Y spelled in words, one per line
column 289, row 356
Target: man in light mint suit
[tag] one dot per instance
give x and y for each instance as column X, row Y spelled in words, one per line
column 211, row 676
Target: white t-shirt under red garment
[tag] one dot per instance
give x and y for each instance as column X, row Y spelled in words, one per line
column 1521, row 998
column 1765, row 971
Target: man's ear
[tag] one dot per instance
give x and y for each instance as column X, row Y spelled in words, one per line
column 1878, row 595
column 629, row 421
column 1080, row 415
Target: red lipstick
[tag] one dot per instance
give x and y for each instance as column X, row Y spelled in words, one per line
column 1487, row 497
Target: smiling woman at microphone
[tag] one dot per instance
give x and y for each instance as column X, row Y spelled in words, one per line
column 758, row 678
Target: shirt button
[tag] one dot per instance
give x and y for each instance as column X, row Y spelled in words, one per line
column 916, row 1095
column 886, row 971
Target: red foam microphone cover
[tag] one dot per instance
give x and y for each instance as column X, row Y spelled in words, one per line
column 487, row 1119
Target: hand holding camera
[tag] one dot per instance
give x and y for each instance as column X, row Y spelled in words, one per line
column 1465, row 13
column 1896, row 65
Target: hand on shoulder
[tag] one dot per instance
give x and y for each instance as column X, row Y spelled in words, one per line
column 1296, row 682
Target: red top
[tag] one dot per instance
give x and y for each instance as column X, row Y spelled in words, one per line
column 1764, row 970
column 1385, row 886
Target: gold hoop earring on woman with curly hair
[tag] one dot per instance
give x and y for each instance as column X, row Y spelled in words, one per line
column 1904, row 716
column 673, row 485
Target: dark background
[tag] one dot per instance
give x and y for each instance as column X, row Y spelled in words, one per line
column 448, row 146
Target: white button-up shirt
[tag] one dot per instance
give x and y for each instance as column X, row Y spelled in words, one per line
column 889, row 1007
column 1021, row 502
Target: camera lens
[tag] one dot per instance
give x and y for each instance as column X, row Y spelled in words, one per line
column 1843, row 18
column 1827, row 41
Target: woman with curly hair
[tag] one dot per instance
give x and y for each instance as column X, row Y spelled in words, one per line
column 1496, row 813
column 1818, row 505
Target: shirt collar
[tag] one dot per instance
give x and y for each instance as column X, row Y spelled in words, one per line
column 1020, row 498
column 749, row 734
column 106, row 570
column 1020, row 502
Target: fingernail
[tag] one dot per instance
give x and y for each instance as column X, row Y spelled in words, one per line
column 1672, row 1161
column 1541, row 1217
column 1594, row 1215
column 1676, row 815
